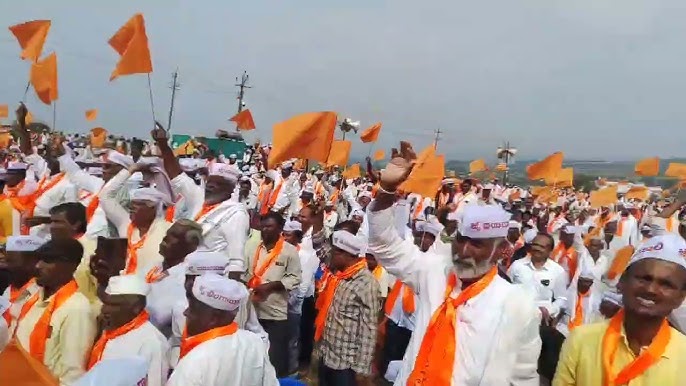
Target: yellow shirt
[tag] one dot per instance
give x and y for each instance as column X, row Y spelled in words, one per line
column 581, row 361
column 69, row 344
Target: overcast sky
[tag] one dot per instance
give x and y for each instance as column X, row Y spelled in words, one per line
column 592, row 78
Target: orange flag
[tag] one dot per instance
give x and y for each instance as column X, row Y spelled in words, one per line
column 98, row 137
column 549, row 166
column 540, row 190
column 371, row 134
column 186, row 148
column 379, row 155
column 44, row 79
column 647, row 167
column 478, row 165
column 5, row 140
column 563, row 179
column 18, row 367
column 339, row 153
column 637, row 192
column 619, row 263
column 604, row 197
column 31, row 37
column 307, row 135
column 427, row 174
column 131, row 43
column 243, row 120
column 4, row 111
column 91, row 114
column 29, row 117
column 676, row 169
column 351, row 172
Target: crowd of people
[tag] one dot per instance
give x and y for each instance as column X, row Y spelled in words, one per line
column 132, row 264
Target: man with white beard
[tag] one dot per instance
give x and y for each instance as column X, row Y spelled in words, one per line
column 472, row 326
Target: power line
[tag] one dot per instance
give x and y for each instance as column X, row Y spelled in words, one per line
column 241, row 87
column 437, row 137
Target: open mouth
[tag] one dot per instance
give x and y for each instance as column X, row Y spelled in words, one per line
column 645, row 302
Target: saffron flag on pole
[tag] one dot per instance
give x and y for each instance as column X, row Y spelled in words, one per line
column 131, row 43
column 243, row 120
column 31, row 37
column 307, row 135
column 379, row 155
column 546, row 168
column 647, row 167
column 91, row 114
column 44, row 78
column 478, row 165
column 339, row 153
column 371, row 134
column 4, row 111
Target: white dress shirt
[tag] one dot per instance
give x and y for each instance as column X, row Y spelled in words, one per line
column 239, row 359
column 147, row 342
column 225, row 228
column 163, row 294
column 548, row 284
column 590, row 305
column 497, row 331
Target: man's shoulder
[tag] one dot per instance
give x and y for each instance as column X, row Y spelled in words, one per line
column 589, row 333
column 77, row 303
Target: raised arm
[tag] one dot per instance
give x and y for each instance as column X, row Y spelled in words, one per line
column 171, row 164
column 116, row 213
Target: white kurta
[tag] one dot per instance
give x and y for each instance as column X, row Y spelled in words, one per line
column 225, row 228
column 147, row 342
column 63, row 191
column 590, row 305
column 15, row 308
column 548, row 284
column 497, row 337
column 73, row 329
column 234, row 360
column 163, row 295
column 98, row 225
column 149, row 254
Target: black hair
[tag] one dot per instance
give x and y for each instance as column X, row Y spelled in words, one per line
column 75, row 212
column 347, row 225
column 549, row 237
column 274, row 216
column 69, row 250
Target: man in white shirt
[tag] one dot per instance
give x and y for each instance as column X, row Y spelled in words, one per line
column 127, row 331
column 583, row 301
column 20, row 261
column 217, row 352
column 546, row 279
column 493, row 335
column 224, row 221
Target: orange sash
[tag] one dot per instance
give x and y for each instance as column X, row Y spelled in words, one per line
column 170, row 213
column 567, row 257
column 271, row 200
column 619, row 263
column 325, row 299
column 408, row 298
column 418, row 209
column 14, row 293
column 44, row 187
column 620, row 227
column 205, row 210
column 132, row 262
column 647, row 358
column 257, row 274
column 42, row 330
column 334, row 196
column 189, row 343
column 155, row 274
column 669, row 225
column 578, row 318
column 92, row 206
column 435, row 362
column 99, row 348
column 320, row 285
column 377, row 272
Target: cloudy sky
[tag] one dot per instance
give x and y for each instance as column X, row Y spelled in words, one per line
column 595, row 79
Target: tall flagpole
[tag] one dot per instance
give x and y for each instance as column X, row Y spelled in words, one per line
column 54, row 115
column 152, row 103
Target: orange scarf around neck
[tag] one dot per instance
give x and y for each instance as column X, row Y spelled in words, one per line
column 435, row 362
column 191, row 342
column 326, row 298
column 567, row 258
column 646, row 359
column 377, row 272
column 99, row 348
column 578, row 318
column 257, row 273
column 132, row 262
column 408, row 298
column 43, row 330
column 206, row 208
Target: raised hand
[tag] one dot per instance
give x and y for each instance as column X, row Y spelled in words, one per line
column 398, row 168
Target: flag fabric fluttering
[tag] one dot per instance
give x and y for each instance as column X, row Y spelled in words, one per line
column 98, row 137
column 243, row 120
column 647, row 167
column 676, row 169
column 4, row 111
column 31, row 37
column 563, row 179
column 91, row 115
column 371, row 134
column 546, row 168
column 603, row 197
column 44, row 78
column 637, row 193
column 427, row 173
column 353, row 171
column 131, row 43
column 379, row 155
column 478, row 165
column 307, row 135
column 339, row 153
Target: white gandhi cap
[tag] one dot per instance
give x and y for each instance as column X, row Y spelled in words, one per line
column 219, row 292
column 484, row 222
column 668, row 247
column 127, row 285
column 202, row 262
column 23, row 243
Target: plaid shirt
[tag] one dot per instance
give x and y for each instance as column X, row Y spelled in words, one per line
column 349, row 336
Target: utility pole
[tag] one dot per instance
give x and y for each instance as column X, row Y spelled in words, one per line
column 242, row 86
column 174, row 85
column 437, row 137
column 505, row 153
